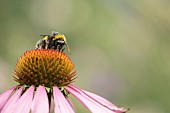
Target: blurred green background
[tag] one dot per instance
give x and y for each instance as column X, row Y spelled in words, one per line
column 120, row 48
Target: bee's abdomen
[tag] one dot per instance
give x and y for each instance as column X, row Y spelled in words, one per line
column 41, row 44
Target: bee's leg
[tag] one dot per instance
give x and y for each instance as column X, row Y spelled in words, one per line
column 58, row 48
column 62, row 49
column 42, row 45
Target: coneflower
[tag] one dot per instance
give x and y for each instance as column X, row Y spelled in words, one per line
column 45, row 78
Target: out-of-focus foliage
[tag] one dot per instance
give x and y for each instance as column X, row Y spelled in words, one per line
column 120, row 48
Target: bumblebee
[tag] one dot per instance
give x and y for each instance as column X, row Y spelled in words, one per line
column 55, row 41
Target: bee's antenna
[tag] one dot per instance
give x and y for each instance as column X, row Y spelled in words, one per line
column 68, row 48
column 66, row 44
column 44, row 35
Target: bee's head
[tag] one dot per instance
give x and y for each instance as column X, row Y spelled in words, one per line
column 57, row 35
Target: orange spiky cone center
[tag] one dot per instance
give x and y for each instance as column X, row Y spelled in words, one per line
column 44, row 67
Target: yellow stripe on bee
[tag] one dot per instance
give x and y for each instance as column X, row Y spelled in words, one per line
column 45, row 38
column 59, row 36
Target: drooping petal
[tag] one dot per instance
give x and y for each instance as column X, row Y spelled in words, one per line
column 23, row 105
column 10, row 105
column 61, row 104
column 40, row 103
column 71, row 104
column 104, row 102
column 4, row 97
column 90, row 101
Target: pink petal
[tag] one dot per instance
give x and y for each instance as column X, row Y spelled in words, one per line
column 94, row 103
column 40, row 102
column 104, row 102
column 23, row 105
column 9, row 106
column 61, row 104
column 4, row 97
column 71, row 104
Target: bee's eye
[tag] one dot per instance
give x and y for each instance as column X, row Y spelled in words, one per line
column 60, row 41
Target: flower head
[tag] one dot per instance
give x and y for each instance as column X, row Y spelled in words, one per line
column 45, row 75
column 44, row 67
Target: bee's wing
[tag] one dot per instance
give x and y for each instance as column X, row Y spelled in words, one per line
column 44, row 35
column 55, row 33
